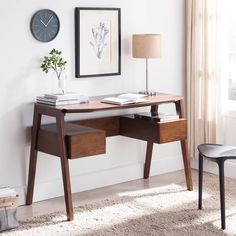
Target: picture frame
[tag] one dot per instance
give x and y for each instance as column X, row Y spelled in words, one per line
column 97, row 42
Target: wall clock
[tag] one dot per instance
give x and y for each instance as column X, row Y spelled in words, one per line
column 45, row 25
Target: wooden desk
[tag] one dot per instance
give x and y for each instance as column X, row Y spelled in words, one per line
column 152, row 132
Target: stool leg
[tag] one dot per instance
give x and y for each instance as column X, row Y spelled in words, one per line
column 222, row 192
column 200, row 177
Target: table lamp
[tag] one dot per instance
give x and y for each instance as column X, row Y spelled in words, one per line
column 147, row 46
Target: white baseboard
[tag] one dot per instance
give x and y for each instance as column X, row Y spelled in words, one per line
column 211, row 167
column 100, row 179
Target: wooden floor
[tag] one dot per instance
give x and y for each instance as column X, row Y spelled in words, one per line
column 55, row 204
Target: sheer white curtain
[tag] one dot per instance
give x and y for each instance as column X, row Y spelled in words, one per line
column 203, row 71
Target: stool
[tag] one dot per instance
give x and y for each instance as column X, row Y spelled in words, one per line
column 219, row 154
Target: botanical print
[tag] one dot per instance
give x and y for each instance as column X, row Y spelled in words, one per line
column 98, row 41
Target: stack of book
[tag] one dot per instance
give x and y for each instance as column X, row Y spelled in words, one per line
column 158, row 117
column 62, row 99
column 6, row 191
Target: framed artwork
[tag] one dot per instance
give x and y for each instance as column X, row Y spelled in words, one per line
column 97, row 42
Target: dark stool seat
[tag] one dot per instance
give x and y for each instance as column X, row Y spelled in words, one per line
column 219, row 154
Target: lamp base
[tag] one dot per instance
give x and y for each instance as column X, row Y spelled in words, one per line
column 148, row 93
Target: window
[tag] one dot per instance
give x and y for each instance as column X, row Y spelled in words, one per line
column 231, row 51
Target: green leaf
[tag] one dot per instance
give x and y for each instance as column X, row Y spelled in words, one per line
column 53, row 61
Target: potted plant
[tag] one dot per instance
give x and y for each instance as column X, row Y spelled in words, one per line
column 55, row 62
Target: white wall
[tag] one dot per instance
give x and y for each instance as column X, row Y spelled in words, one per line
column 22, row 81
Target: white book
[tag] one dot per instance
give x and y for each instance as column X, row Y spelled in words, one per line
column 123, row 99
column 7, row 191
column 3, row 187
column 65, row 96
column 53, row 101
column 160, row 116
column 58, row 103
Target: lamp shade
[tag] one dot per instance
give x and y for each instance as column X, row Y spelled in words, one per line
column 146, row 45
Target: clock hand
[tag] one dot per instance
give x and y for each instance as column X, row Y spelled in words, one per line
column 49, row 21
column 43, row 23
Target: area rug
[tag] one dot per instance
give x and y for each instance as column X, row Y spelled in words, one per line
column 166, row 210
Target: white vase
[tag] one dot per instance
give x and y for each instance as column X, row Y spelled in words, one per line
column 62, row 83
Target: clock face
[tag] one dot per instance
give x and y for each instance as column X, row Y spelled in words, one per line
column 45, row 25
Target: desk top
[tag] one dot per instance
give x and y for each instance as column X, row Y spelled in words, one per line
column 95, row 104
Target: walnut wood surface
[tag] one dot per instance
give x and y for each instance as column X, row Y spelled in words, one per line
column 151, row 132
column 64, row 166
column 149, row 148
column 184, row 146
column 170, row 131
column 33, row 156
column 156, row 132
column 95, row 104
column 80, row 141
column 148, row 160
column 111, row 125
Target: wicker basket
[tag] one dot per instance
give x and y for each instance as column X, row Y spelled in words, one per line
column 8, row 206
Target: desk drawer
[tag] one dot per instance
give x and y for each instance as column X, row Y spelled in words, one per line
column 80, row 141
column 156, row 132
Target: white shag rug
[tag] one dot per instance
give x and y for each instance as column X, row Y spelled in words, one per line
column 167, row 210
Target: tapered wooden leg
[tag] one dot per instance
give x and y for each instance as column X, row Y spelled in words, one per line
column 67, row 188
column 187, row 167
column 200, row 176
column 33, row 157
column 65, row 167
column 184, row 146
column 148, row 160
column 149, row 149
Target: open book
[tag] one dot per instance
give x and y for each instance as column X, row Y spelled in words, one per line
column 127, row 98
